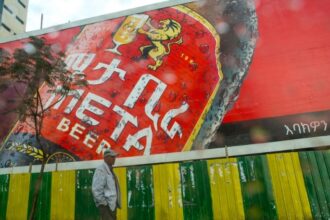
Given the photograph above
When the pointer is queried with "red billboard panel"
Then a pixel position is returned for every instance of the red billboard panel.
(154, 83)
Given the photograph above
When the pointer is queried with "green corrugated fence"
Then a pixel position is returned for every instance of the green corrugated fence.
(273, 186)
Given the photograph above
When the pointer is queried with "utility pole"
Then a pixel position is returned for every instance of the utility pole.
(41, 20)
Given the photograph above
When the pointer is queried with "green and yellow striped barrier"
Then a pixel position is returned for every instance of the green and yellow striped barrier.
(273, 186)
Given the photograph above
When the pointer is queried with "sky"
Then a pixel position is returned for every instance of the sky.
(57, 12)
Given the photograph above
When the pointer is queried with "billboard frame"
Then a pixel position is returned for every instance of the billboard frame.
(228, 151)
(242, 150)
(95, 19)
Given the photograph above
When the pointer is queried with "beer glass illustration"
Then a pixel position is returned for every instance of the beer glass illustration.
(127, 31)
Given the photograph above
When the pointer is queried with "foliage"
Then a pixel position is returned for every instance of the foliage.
(24, 71)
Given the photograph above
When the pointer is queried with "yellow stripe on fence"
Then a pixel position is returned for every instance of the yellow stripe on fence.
(167, 192)
(18, 198)
(301, 186)
(63, 195)
(121, 174)
(227, 202)
(288, 186)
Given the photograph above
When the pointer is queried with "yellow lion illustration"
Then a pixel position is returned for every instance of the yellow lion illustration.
(168, 30)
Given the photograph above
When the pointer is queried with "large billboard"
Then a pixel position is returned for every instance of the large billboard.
(161, 80)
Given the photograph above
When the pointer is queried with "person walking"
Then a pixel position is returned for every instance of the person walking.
(105, 187)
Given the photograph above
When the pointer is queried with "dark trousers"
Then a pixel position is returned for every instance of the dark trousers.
(106, 213)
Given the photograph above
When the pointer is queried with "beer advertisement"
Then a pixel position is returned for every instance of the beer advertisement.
(183, 76)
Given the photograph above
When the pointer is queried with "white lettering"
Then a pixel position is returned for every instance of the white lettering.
(296, 125)
(102, 146)
(85, 105)
(315, 124)
(76, 129)
(125, 117)
(133, 141)
(63, 125)
(76, 94)
(176, 128)
(152, 102)
(288, 130)
(79, 62)
(325, 125)
(90, 137)
(303, 128)
(110, 69)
